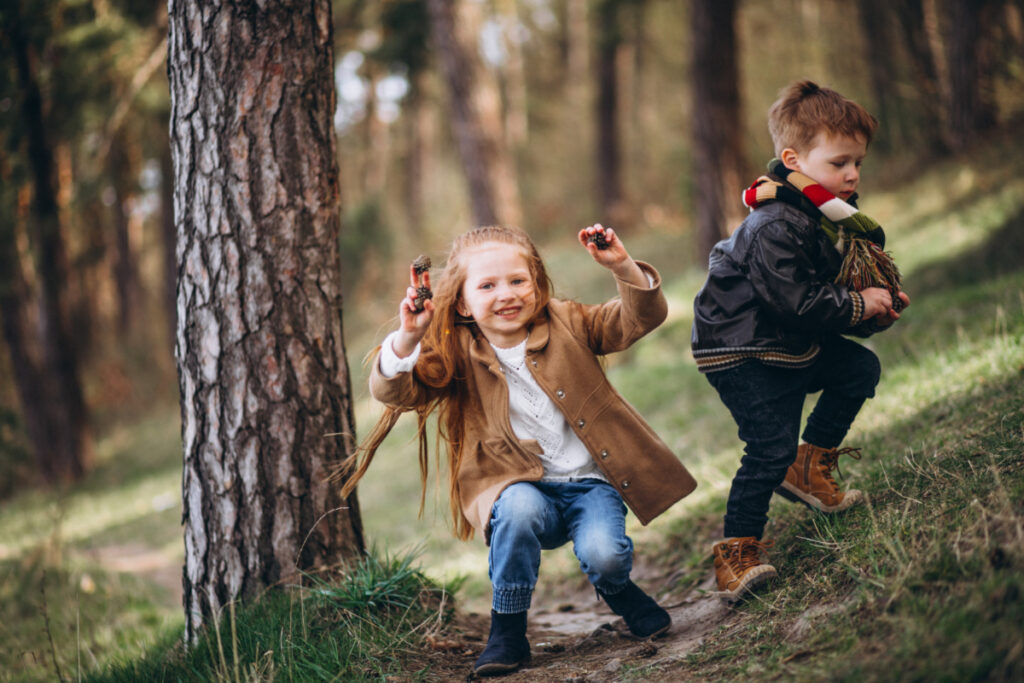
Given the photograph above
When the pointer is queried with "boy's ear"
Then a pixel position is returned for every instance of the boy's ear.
(790, 158)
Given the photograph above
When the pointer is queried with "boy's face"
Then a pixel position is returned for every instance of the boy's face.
(833, 161)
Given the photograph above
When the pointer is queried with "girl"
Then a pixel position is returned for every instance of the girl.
(541, 449)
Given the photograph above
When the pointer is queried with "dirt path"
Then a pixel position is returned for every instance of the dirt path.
(582, 640)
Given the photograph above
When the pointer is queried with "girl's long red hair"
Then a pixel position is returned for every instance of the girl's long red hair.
(441, 368)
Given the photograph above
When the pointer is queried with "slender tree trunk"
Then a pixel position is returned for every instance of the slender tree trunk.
(476, 115)
(69, 450)
(928, 106)
(969, 110)
(261, 359)
(517, 127)
(19, 340)
(609, 155)
(126, 273)
(718, 155)
(875, 21)
(416, 142)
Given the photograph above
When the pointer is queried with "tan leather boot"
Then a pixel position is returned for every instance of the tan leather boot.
(739, 566)
(809, 479)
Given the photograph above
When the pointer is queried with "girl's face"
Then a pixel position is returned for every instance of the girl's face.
(499, 292)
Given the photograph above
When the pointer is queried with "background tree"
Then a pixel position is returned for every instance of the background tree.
(608, 145)
(55, 409)
(261, 356)
(718, 159)
(476, 113)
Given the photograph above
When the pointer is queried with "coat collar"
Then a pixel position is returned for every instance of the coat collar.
(480, 350)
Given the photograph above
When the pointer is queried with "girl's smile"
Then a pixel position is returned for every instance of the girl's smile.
(499, 292)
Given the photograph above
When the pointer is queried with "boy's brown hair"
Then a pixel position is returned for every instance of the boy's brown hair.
(805, 109)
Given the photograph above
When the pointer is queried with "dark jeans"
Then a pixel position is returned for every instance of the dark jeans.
(767, 403)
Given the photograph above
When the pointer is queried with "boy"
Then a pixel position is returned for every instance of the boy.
(767, 324)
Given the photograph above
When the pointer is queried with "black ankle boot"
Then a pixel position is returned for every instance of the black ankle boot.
(507, 647)
(644, 617)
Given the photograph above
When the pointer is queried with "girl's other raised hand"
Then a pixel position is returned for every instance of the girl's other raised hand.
(603, 244)
(607, 249)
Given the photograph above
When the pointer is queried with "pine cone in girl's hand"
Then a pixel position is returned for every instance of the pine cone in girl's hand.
(420, 266)
(598, 239)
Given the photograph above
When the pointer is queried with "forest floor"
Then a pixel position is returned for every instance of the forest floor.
(574, 637)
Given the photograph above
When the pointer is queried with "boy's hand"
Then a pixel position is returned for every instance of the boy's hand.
(413, 325)
(613, 256)
(878, 304)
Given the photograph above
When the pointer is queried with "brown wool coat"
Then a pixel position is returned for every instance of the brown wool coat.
(562, 353)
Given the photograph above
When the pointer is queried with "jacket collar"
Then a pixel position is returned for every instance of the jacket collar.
(480, 350)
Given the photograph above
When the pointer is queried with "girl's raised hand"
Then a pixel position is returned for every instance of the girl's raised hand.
(607, 249)
(413, 324)
(603, 244)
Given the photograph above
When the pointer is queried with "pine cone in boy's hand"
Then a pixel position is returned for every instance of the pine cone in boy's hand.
(420, 266)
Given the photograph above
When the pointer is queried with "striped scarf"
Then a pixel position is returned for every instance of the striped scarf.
(855, 235)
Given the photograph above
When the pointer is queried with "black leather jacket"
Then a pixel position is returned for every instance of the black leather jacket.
(770, 286)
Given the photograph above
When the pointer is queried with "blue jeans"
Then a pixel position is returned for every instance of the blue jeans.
(767, 403)
(531, 516)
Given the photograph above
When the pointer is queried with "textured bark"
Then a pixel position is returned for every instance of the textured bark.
(64, 452)
(719, 166)
(476, 114)
(260, 352)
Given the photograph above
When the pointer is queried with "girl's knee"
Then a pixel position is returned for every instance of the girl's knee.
(604, 559)
(519, 506)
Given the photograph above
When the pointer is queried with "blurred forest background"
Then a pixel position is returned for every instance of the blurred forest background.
(647, 115)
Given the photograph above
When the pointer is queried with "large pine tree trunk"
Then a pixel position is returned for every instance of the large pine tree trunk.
(718, 154)
(66, 452)
(261, 358)
(476, 114)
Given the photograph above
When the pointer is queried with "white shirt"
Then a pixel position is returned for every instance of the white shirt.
(532, 413)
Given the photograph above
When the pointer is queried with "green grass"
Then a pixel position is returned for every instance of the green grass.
(361, 625)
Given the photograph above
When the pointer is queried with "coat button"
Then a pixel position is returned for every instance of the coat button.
(580, 422)
(560, 394)
(604, 454)
(625, 484)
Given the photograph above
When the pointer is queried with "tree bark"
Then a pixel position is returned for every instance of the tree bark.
(476, 116)
(66, 454)
(719, 165)
(261, 360)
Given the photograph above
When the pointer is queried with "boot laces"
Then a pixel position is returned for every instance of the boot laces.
(830, 461)
(745, 553)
